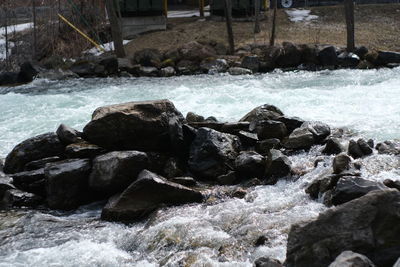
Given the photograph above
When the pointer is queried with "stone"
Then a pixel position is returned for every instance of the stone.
(239, 71)
(212, 66)
(369, 225)
(185, 181)
(267, 262)
(388, 147)
(84, 68)
(148, 57)
(167, 72)
(109, 65)
(365, 147)
(349, 188)
(341, 162)
(115, 171)
(278, 166)
(83, 150)
(172, 168)
(361, 51)
(68, 135)
(385, 58)
(263, 147)
(392, 184)
(26, 73)
(319, 130)
(57, 74)
(5, 184)
(18, 198)
(264, 112)
(291, 123)
(355, 150)
(142, 126)
(212, 153)
(328, 57)
(31, 181)
(348, 60)
(193, 117)
(300, 138)
(227, 179)
(148, 71)
(251, 62)
(333, 146)
(149, 192)
(309, 54)
(40, 163)
(267, 129)
(350, 259)
(35, 148)
(291, 56)
(247, 139)
(67, 183)
(196, 52)
(250, 164)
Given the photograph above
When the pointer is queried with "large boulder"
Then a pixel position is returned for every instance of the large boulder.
(328, 57)
(196, 52)
(300, 138)
(115, 171)
(35, 148)
(147, 193)
(212, 153)
(251, 62)
(140, 126)
(341, 162)
(250, 164)
(267, 129)
(333, 146)
(290, 56)
(278, 166)
(351, 259)
(148, 57)
(30, 181)
(26, 73)
(68, 135)
(264, 112)
(369, 225)
(67, 183)
(385, 57)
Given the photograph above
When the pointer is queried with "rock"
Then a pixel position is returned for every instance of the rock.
(333, 146)
(267, 129)
(8, 78)
(341, 163)
(84, 68)
(39, 164)
(83, 150)
(309, 54)
(212, 153)
(124, 64)
(148, 57)
(267, 262)
(110, 65)
(172, 54)
(319, 130)
(26, 73)
(385, 58)
(247, 139)
(67, 183)
(57, 74)
(35, 148)
(148, 193)
(361, 51)
(68, 135)
(5, 184)
(263, 147)
(328, 56)
(212, 66)
(351, 259)
(261, 241)
(167, 63)
(239, 71)
(278, 166)
(264, 112)
(142, 126)
(388, 147)
(365, 65)
(187, 67)
(365, 147)
(196, 52)
(349, 188)
(18, 198)
(348, 60)
(250, 164)
(251, 62)
(148, 71)
(291, 123)
(355, 150)
(368, 225)
(185, 181)
(227, 179)
(300, 138)
(31, 181)
(392, 184)
(172, 168)
(115, 171)
(291, 56)
(167, 72)
(193, 117)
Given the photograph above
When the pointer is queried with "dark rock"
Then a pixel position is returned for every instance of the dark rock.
(157, 161)
(212, 66)
(349, 188)
(351, 259)
(368, 225)
(5, 184)
(172, 54)
(238, 193)
(290, 57)
(291, 123)
(110, 65)
(365, 148)
(267, 129)
(84, 68)
(267, 262)
(8, 78)
(278, 166)
(341, 163)
(148, 57)
(211, 119)
(57, 75)
(142, 126)
(115, 171)
(67, 183)
(251, 62)
(300, 138)
(328, 56)
(385, 58)
(167, 72)
(193, 117)
(355, 150)
(361, 51)
(250, 164)
(35, 148)
(348, 60)
(264, 112)
(392, 184)
(370, 143)
(41, 163)
(213, 153)
(227, 179)
(172, 168)
(196, 52)
(239, 71)
(18, 198)
(333, 146)
(234, 127)
(247, 139)
(319, 130)
(261, 241)
(31, 181)
(148, 193)
(83, 150)
(148, 71)
(185, 181)
(309, 54)
(26, 73)
(388, 147)
(68, 135)
(263, 147)
(187, 67)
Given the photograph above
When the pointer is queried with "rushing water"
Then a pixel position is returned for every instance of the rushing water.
(221, 232)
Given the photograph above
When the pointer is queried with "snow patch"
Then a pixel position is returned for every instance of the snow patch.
(298, 15)
(11, 30)
(107, 47)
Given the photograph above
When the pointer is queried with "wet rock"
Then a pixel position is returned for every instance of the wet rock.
(355, 226)
(234, 127)
(388, 147)
(348, 60)
(361, 51)
(319, 130)
(291, 123)
(83, 150)
(212, 66)
(392, 184)
(142, 126)
(84, 68)
(300, 138)
(109, 65)
(185, 181)
(365, 147)
(355, 150)
(267, 262)
(227, 179)
(328, 57)
(250, 164)
(341, 163)
(5, 184)
(267, 129)
(278, 166)
(264, 112)
(35, 148)
(193, 117)
(385, 58)
(57, 74)
(238, 193)
(167, 72)
(247, 139)
(333, 146)
(251, 62)
(239, 71)
(309, 54)
(67, 183)
(291, 56)
(41, 163)
(31, 181)
(18, 198)
(148, 57)
(351, 259)
(349, 188)
(148, 71)
(264, 146)
(115, 171)
(148, 193)
(212, 153)
(173, 168)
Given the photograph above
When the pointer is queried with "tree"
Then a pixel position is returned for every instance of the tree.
(272, 39)
(349, 13)
(115, 28)
(257, 28)
(228, 17)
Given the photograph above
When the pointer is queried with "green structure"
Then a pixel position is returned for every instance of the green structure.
(239, 7)
(130, 8)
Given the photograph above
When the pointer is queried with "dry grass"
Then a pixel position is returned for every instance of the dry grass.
(377, 26)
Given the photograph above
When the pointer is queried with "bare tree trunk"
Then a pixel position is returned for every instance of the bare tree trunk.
(228, 17)
(273, 30)
(201, 8)
(115, 29)
(349, 13)
(34, 29)
(257, 28)
(6, 33)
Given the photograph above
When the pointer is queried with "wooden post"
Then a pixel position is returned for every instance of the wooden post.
(115, 29)
(349, 13)
(34, 28)
(257, 28)
(201, 8)
(273, 30)
(228, 17)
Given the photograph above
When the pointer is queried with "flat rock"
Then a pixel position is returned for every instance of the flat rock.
(30, 181)
(351, 259)
(83, 150)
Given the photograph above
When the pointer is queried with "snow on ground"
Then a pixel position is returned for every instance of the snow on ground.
(297, 15)
(107, 46)
(188, 13)
(10, 29)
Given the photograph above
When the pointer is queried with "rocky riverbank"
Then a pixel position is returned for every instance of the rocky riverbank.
(142, 156)
(210, 58)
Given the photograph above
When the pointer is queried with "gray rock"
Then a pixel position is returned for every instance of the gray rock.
(31, 181)
(300, 138)
(196, 52)
(278, 166)
(57, 74)
(267, 129)
(251, 62)
(227, 179)
(355, 150)
(148, 71)
(67, 183)
(333, 146)
(392, 184)
(385, 58)
(267, 262)
(341, 163)
(264, 112)
(115, 171)
(319, 130)
(145, 195)
(68, 135)
(148, 57)
(351, 259)
(18, 198)
(41, 163)
(291, 56)
(239, 71)
(250, 164)
(185, 181)
(247, 139)
(83, 150)
(193, 117)
(263, 147)
(291, 123)
(368, 225)
(167, 72)
(35, 148)
(214, 66)
(388, 147)
(365, 147)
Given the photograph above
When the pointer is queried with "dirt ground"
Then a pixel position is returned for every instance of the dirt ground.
(376, 26)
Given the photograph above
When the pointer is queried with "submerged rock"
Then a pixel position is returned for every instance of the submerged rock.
(351, 259)
(148, 193)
